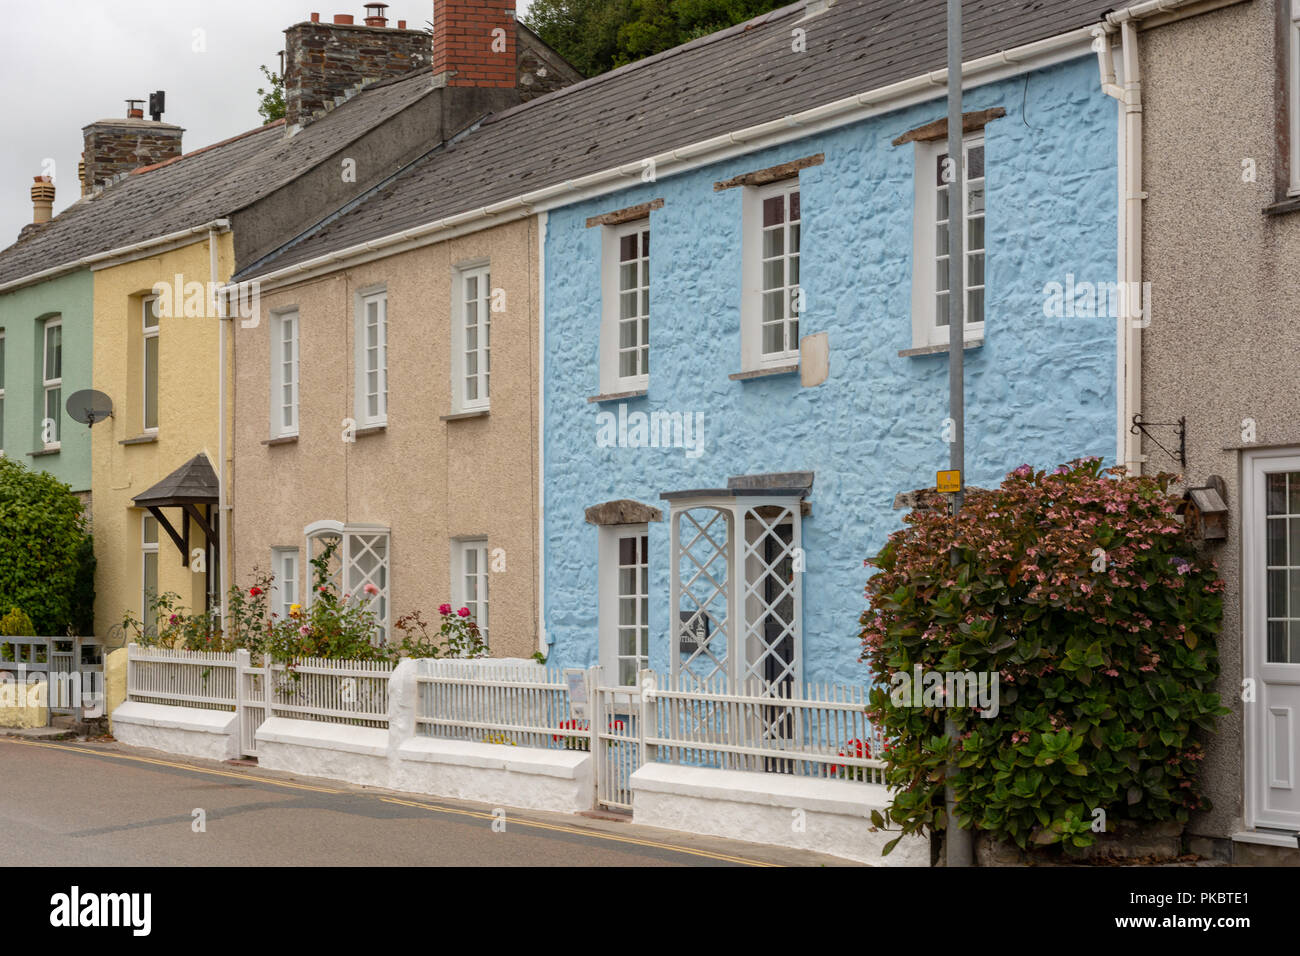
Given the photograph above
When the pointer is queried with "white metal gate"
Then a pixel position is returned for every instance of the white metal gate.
(616, 743)
(254, 697)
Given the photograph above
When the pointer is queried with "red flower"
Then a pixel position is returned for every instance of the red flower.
(463, 612)
(444, 609)
(254, 591)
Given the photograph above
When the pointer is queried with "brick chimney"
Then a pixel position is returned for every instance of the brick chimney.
(324, 62)
(42, 200)
(116, 146)
(474, 43)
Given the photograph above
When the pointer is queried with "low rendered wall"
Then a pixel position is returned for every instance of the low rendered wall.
(24, 705)
(213, 734)
(315, 749)
(525, 777)
(825, 816)
(114, 682)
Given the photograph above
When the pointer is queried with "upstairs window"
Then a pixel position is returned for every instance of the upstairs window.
(149, 325)
(472, 339)
(931, 267)
(772, 300)
(284, 374)
(52, 383)
(625, 313)
(371, 403)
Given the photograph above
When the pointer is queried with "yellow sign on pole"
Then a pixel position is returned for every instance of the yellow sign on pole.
(948, 482)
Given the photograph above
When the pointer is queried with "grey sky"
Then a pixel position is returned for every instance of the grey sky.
(66, 63)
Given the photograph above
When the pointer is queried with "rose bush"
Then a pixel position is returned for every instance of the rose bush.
(1082, 592)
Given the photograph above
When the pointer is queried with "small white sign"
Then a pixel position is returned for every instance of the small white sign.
(577, 680)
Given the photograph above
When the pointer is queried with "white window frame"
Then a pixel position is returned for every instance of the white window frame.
(481, 272)
(356, 540)
(461, 571)
(288, 579)
(612, 292)
(609, 588)
(284, 373)
(2, 392)
(925, 251)
(51, 383)
(149, 332)
(1293, 95)
(147, 549)
(752, 357)
(371, 360)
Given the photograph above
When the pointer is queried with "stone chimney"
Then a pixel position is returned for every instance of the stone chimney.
(324, 62)
(474, 43)
(116, 146)
(42, 200)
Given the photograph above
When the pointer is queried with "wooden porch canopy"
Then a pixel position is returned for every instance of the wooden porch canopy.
(190, 486)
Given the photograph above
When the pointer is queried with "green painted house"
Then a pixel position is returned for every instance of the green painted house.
(45, 356)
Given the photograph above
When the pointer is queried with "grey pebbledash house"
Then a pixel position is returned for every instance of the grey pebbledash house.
(1216, 363)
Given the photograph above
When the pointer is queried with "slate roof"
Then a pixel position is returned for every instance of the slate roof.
(738, 77)
(194, 482)
(206, 184)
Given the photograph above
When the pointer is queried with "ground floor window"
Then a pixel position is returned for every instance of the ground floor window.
(149, 573)
(469, 581)
(355, 561)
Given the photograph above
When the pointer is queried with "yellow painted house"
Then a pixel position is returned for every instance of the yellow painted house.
(155, 508)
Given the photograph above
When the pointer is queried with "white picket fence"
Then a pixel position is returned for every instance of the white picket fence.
(201, 679)
(821, 733)
(341, 692)
(523, 704)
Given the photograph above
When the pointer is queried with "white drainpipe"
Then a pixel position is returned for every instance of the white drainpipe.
(541, 435)
(223, 512)
(1130, 323)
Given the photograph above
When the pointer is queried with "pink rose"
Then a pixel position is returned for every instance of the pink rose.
(463, 612)
(444, 609)
(371, 589)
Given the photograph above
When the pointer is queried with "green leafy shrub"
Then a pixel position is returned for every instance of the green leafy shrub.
(1083, 593)
(16, 624)
(42, 541)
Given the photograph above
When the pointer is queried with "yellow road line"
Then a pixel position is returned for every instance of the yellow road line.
(596, 834)
(168, 763)
(477, 814)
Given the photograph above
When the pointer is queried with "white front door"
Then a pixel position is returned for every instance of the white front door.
(1271, 614)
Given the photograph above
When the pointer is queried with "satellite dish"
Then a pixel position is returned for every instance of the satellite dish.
(89, 406)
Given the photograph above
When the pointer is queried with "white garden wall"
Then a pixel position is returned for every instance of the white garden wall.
(825, 816)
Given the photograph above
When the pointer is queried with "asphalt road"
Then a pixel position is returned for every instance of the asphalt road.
(103, 804)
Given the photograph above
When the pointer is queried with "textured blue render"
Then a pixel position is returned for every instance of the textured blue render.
(1040, 390)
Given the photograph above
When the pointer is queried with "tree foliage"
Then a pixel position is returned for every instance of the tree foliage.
(272, 106)
(43, 551)
(1081, 593)
(598, 35)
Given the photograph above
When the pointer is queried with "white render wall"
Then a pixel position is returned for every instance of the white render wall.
(213, 734)
(824, 816)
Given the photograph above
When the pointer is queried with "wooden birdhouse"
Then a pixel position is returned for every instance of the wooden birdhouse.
(1205, 510)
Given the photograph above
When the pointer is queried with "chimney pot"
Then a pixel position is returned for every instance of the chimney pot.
(375, 16)
(315, 18)
(343, 19)
(42, 199)
(401, 24)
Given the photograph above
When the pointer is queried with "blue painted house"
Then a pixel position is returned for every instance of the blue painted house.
(745, 346)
